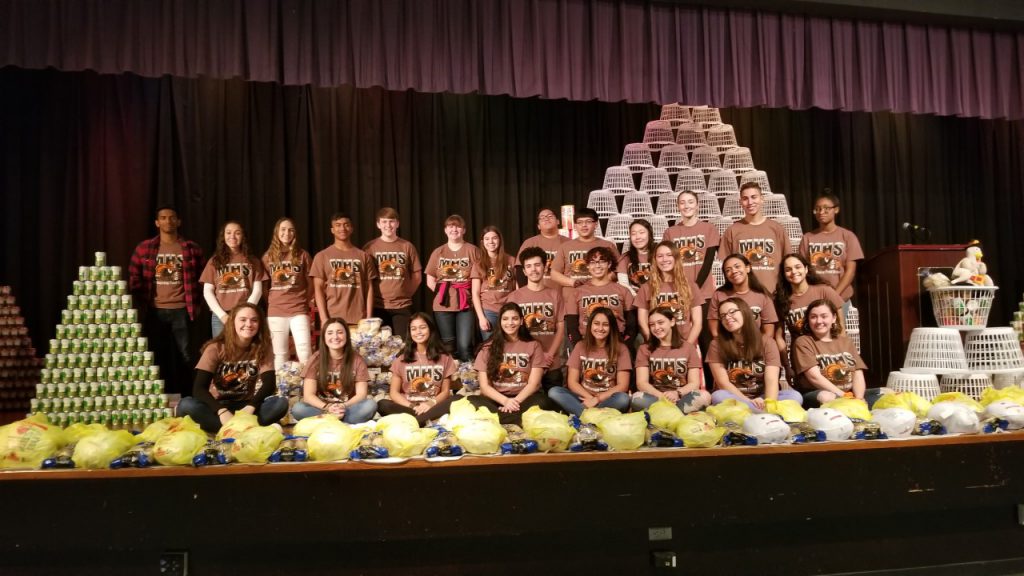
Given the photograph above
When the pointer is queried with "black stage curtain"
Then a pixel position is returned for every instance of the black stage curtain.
(86, 158)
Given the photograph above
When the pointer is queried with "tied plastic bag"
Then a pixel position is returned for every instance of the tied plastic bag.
(77, 431)
(26, 443)
(444, 445)
(462, 410)
(307, 426)
(598, 415)
(1011, 412)
(767, 428)
(624, 432)
(960, 398)
(664, 415)
(1011, 393)
(401, 419)
(698, 432)
(906, 400)
(480, 435)
(370, 447)
(98, 450)
(895, 422)
(729, 411)
(956, 417)
(333, 441)
(790, 410)
(255, 445)
(588, 439)
(850, 407)
(405, 441)
(154, 431)
(239, 422)
(550, 429)
(178, 448)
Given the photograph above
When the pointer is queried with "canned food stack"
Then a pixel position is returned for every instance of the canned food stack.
(1018, 321)
(99, 367)
(19, 366)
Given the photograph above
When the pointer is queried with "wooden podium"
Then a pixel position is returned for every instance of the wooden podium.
(890, 303)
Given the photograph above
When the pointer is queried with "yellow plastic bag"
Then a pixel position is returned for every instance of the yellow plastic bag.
(179, 447)
(1011, 393)
(154, 431)
(254, 445)
(401, 419)
(907, 400)
(960, 398)
(850, 407)
(239, 422)
(77, 431)
(788, 410)
(26, 443)
(332, 441)
(664, 415)
(702, 416)
(698, 432)
(97, 450)
(550, 429)
(597, 415)
(624, 432)
(479, 435)
(307, 426)
(405, 441)
(729, 411)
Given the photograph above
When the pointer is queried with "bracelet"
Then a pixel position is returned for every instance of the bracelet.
(221, 411)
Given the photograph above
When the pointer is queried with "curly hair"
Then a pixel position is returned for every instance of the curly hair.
(278, 252)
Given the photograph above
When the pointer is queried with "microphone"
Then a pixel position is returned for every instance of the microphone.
(914, 227)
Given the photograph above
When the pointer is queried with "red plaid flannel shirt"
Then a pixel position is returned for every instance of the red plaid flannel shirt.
(142, 272)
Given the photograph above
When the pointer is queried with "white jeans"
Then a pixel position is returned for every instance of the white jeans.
(280, 326)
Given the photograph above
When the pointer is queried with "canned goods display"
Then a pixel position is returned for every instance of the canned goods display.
(88, 288)
(101, 258)
(126, 303)
(72, 302)
(158, 386)
(66, 317)
(121, 287)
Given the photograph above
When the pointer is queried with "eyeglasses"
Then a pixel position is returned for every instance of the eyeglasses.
(597, 262)
(822, 209)
(732, 312)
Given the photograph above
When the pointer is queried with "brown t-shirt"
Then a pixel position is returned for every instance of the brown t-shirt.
(454, 268)
(332, 390)
(422, 379)
(763, 244)
(638, 275)
(347, 274)
(837, 360)
(570, 258)
(693, 243)
(798, 306)
(550, 246)
(829, 254)
(596, 373)
(289, 285)
(589, 298)
(748, 377)
(170, 288)
(493, 290)
(668, 366)
(233, 281)
(396, 263)
(514, 371)
(669, 296)
(542, 311)
(762, 306)
(237, 381)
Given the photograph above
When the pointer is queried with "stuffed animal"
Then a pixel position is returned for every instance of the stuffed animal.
(971, 270)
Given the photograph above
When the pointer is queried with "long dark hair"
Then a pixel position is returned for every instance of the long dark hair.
(348, 384)
(633, 253)
(434, 346)
(677, 340)
(752, 280)
(496, 343)
(611, 343)
(222, 255)
(752, 347)
(257, 350)
(784, 290)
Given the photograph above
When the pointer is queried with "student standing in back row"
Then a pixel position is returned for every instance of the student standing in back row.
(833, 251)
(342, 277)
(761, 241)
(399, 272)
(549, 240)
(289, 294)
(448, 275)
(233, 275)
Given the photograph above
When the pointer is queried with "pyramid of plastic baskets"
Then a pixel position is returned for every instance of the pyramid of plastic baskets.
(675, 113)
(775, 206)
(722, 183)
(936, 351)
(970, 384)
(655, 181)
(760, 177)
(658, 134)
(619, 180)
(924, 385)
(962, 307)
(690, 136)
(791, 224)
(732, 207)
(637, 205)
(993, 351)
(706, 159)
(637, 157)
(658, 225)
(707, 206)
(722, 137)
(705, 116)
(603, 202)
(691, 179)
(674, 158)
(668, 205)
(738, 160)
(617, 229)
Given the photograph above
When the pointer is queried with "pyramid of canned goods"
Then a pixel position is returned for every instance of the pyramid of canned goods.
(99, 368)
(19, 367)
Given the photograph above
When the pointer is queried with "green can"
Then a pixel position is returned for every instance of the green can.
(129, 344)
(121, 287)
(61, 333)
(108, 402)
(120, 316)
(88, 288)
(103, 417)
(83, 272)
(119, 345)
(81, 330)
(94, 389)
(46, 405)
(72, 302)
(76, 404)
(142, 343)
(88, 403)
(62, 390)
(88, 316)
(126, 303)
(77, 288)
(50, 360)
(133, 402)
(158, 386)
(104, 389)
(77, 375)
(66, 317)
(116, 388)
(66, 374)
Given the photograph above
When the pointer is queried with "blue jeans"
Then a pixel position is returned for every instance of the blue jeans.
(787, 394)
(457, 329)
(492, 319)
(216, 326)
(355, 414)
(569, 402)
(271, 410)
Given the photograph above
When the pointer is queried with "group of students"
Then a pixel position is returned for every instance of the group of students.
(631, 321)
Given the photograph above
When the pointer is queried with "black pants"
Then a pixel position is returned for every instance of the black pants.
(386, 407)
(168, 332)
(538, 398)
(397, 318)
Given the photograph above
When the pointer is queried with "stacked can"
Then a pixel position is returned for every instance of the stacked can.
(19, 366)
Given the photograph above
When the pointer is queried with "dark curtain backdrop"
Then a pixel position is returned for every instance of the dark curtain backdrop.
(85, 158)
(609, 50)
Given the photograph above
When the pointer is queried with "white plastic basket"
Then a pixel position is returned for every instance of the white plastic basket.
(758, 176)
(668, 205)
(618, 228)
(707, 207)
(691, 179)
(722, 183)
(619, 180)
(970, 384)
(993, 350)
(690, 135)
(655, 181)
(721, 137)
(705, 159)
(935, 351)
(1007, 379)
(924, 385)
(705, 116)
(962, 307)
(658, 134)
(637, 205)
(675, 113)
(738, 160)
(637, 157)
(674, 158)
(603, 202)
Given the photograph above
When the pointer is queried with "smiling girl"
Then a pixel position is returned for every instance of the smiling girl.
(421, 375)
(599, 368)
(493, 280)
(335, 381)
(290, 292)
(826, 360)
(741, 283)
(668, 366)
(231, 276)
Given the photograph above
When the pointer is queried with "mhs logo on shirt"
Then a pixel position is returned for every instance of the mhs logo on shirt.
(677, 365)
(519, 360)
(390, 265)
(233, 277)
(168, 268)
(691, 249)
(826, 256)
(284, 274)
(610, 300)
(539, 317)
(453, 268)
(345, 273)
(838, 368)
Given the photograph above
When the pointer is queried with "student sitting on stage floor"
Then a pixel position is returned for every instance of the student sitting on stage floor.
(335, 380)
(826, 360)
(599, 368)
(239, 363)
(510, 366)
(745, 363)
(741, 283)
(798, 286)
(668, 366)
(421, 375)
